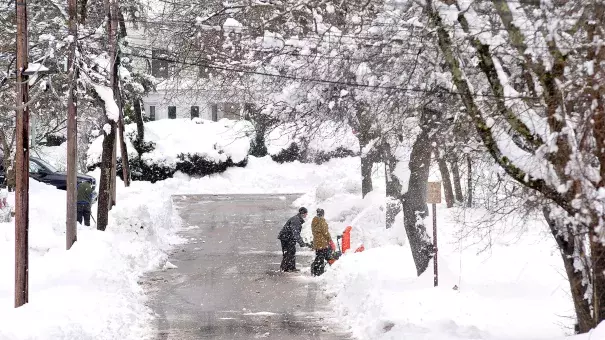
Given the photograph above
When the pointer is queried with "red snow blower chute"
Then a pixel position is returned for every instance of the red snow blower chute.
(346, 245)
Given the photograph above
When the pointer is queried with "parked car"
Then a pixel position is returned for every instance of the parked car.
(43, 172)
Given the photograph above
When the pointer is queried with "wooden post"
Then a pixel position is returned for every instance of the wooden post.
(71, 231)
(435, 270)
(22, 161)
(433, 197)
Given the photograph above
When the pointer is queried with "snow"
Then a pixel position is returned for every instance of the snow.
(34, 67)
(216, 141)
(111, 108)
(514, 290)
(326, 137)
(232, 25)
(92, 291)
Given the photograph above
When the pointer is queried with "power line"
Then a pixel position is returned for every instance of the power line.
(317, 80)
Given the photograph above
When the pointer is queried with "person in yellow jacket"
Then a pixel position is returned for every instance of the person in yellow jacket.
(321, 243)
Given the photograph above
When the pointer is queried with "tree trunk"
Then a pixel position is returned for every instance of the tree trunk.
(415, 209)
(393, 186)
(469, 181)
(138, 117)
(572, 251)
(456, 178)
(114, 162)
(365, 137)
(123, 147)
(597, 254)
(366, 174)
(105, 181)
(446, 179)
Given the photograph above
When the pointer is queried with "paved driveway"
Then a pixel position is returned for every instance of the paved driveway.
(227, 285)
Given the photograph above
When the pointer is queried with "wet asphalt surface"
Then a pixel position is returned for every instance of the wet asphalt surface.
(227, 285)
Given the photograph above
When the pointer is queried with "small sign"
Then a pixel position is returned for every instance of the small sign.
(433, 193)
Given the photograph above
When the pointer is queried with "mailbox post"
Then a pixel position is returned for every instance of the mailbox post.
(433, 197)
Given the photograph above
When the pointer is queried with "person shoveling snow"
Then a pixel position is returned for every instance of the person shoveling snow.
(86, 197)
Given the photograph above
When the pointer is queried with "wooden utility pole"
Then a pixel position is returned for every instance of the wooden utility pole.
(72, 129)
(22, 161)
(433, 197)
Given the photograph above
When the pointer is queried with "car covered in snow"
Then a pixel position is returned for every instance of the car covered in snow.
(43, 172)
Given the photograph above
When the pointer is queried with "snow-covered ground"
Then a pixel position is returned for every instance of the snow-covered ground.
(515, 289)
(91, 291)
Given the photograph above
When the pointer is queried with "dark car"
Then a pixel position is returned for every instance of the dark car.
(46, 173)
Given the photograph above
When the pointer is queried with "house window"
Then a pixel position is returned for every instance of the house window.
(151, 112)
(172, 112)
(159, 64)
(214, 109)
(195, 112)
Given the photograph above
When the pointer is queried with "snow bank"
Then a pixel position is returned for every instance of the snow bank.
(91, 291)
(215, 141)
(515, 290)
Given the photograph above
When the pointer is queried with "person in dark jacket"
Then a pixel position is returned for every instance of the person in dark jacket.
(85, 198)
(289, 236)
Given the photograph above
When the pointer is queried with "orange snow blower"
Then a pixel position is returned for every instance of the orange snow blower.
(346, 245)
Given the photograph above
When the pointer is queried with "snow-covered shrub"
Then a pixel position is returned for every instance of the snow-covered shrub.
(193, 147)
(290, 154)
(311, 144)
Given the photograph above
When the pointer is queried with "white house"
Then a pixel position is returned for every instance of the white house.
(185, 92)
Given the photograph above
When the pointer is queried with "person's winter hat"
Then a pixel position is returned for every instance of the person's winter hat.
(303, 211)
(320, 212)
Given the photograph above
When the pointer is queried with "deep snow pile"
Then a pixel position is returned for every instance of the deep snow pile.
(215, 141)
(514, 290)
(92, 291)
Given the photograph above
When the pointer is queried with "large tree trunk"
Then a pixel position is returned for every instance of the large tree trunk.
(415, 209)
(393, 186)
(445, 178)
(572, 252)
(457, 180)
(106, 172)
(365, 136)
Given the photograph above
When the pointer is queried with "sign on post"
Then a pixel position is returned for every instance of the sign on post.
(433, 197)
(433, 193)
